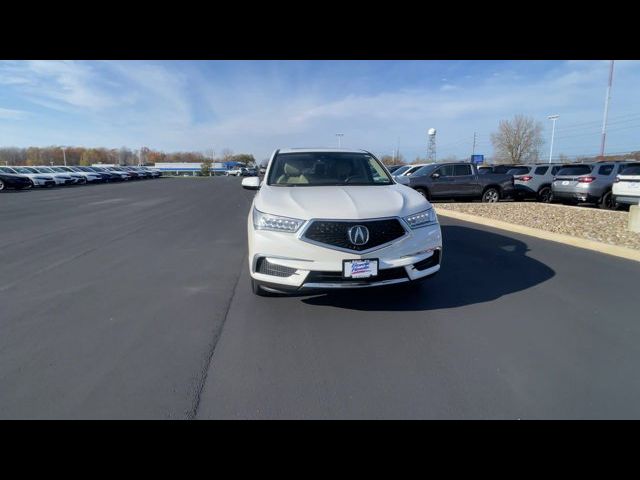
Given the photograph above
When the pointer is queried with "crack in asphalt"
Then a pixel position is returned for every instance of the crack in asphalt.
(191, 414)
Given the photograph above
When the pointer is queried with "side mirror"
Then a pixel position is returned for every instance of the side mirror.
(251, 183)
(435, 175)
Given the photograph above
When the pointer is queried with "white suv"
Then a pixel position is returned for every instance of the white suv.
(626, 188)
(333, 219)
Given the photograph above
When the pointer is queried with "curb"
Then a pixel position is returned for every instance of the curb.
(623, 252)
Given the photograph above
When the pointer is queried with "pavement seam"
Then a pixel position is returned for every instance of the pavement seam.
(216, 337)
(600, 247)
(191, 415)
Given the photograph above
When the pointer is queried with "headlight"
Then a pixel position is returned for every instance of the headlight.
(264, 221)
(421, 219)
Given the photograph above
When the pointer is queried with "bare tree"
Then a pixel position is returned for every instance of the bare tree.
(392, 160)
(226, 154)
(518, 140)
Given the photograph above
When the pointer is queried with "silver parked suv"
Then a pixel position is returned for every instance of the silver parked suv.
(588, 182)
(534, 181)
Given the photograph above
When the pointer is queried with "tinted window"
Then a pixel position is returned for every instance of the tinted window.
(577, 170)
(519, 171)
(460, 170)
(422, 171)
(445, 171)
(5, 170)
(632, 170)
(624, 167)
(605, 169)
(502, 168)
(541, 170)
(484, 170)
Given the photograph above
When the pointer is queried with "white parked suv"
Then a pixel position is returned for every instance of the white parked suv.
(626, 188)
(334, 219)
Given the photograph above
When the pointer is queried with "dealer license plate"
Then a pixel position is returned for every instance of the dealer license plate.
(359, 268)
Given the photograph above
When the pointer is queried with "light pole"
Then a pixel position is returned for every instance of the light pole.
(339, 135)
(553, 118)
(64, 155)
(606, 110)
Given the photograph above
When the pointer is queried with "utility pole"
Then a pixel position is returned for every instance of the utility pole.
(339, 135)
(606, 109)
(64, 155)
(473, 150)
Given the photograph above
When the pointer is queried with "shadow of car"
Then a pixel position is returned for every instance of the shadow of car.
(477, 266)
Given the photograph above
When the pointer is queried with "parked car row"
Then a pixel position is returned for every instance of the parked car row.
(608, 184)
(242, 172)
(24, 177)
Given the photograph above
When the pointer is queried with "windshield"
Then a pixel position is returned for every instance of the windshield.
(6, 170)
(413, 170)
(327, 168)
(43, 170)
(423, 170)
(401, 170)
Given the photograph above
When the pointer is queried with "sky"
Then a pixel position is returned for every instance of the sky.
(258, 106)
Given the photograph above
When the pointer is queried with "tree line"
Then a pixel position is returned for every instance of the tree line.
(123, 156)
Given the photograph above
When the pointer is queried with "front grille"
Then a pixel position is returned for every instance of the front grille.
(266, 268)
(432, 261)
(336, 277)
(334, 233)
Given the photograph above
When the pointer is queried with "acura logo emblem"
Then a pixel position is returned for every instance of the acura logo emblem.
(358, 235)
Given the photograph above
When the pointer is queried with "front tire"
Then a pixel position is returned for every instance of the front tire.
(490, 195)
(2, 185)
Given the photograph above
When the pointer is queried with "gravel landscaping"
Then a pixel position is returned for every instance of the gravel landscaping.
(590, 223)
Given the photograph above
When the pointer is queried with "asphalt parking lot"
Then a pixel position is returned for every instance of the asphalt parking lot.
(133, 301)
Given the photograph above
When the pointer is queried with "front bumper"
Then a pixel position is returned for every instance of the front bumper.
(414, 256)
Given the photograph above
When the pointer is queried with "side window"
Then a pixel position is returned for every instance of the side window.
(445, 171)
(461, 170)
(623, 167)
(541, 170)
(605, 170)
(554, 170)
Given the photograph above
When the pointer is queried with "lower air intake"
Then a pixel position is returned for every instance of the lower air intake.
(266, 268)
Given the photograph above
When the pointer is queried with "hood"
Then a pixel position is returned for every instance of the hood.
(351, 202)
